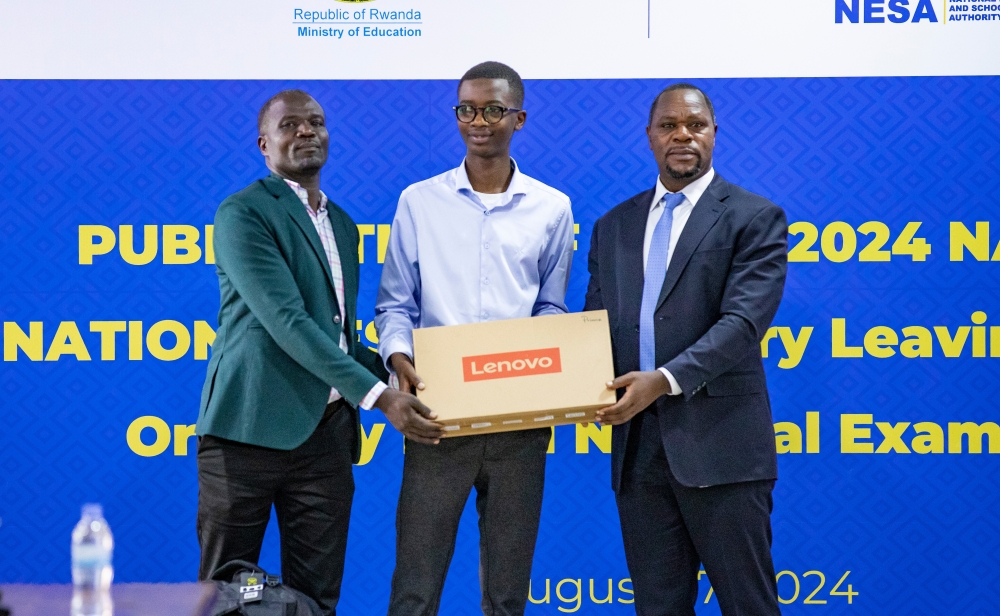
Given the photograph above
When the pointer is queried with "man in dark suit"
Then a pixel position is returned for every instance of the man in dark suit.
(279, 423)
(691, 274)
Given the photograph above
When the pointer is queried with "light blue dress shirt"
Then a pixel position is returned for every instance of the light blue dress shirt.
(452, 259)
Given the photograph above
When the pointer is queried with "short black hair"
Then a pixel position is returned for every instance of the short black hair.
(681, 86)
(262, 114)
(497, 70)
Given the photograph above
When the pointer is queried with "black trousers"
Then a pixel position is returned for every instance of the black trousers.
(670, 529)
(508, 472)
(311, 488)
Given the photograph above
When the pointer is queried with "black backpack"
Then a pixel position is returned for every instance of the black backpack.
(248, 590)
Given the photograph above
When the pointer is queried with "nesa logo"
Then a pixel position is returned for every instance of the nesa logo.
(879, 11)
(507, 365)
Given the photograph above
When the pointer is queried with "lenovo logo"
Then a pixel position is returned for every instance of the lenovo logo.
(506, 365)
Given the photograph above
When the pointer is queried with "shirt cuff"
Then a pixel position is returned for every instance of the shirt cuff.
(369, 400)
(548, 309)
(675, 388)
(395, 345)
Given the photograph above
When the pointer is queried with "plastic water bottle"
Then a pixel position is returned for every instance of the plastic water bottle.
(93, 547)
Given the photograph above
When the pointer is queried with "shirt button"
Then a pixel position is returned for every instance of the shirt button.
(336, 319)
(486, 245)
(486, 281)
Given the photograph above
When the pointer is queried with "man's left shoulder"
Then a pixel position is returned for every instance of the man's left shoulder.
(546, 194)
(746, 201)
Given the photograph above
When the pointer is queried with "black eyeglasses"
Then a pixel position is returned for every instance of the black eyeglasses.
(491, 113)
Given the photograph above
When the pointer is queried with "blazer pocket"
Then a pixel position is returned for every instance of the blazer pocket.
(736, 385)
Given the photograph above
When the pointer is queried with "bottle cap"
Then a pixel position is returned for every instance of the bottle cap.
(93, 510)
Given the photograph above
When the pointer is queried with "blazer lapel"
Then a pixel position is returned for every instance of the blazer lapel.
(703, 217)
(344, 247)
(630, 241)
(287, 198)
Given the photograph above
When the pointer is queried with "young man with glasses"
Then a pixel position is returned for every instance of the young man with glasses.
(482, 242)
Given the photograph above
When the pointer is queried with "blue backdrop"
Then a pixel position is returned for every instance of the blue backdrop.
(917, 532)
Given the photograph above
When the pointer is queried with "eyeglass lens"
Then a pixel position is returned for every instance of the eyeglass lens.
(492, 114)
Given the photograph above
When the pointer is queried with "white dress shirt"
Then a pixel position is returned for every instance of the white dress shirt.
(692, 192)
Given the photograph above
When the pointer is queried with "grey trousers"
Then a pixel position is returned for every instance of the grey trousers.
(508, 472)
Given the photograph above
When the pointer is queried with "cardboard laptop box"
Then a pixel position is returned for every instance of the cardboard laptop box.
(516, 374)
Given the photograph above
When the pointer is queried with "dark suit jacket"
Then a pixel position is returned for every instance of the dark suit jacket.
(276, 353)
(722, 288)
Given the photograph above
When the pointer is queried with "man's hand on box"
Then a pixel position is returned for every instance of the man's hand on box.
(641, 390)
(409, 381)
(410, 416)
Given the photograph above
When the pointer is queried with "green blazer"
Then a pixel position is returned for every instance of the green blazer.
(276, 353)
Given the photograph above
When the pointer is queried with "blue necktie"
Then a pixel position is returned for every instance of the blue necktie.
(656, 272)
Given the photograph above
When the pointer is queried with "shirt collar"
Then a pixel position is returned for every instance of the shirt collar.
(692, 192)
(517, 184)
(303, 196)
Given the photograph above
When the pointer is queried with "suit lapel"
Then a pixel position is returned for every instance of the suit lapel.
(344, 248)
(703, 217)
(287, 199)
(630, 241)
(630, 274)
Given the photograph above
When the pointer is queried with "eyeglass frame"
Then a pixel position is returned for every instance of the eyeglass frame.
(482, 111)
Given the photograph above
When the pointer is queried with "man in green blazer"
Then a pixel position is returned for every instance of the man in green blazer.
(279, 421)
